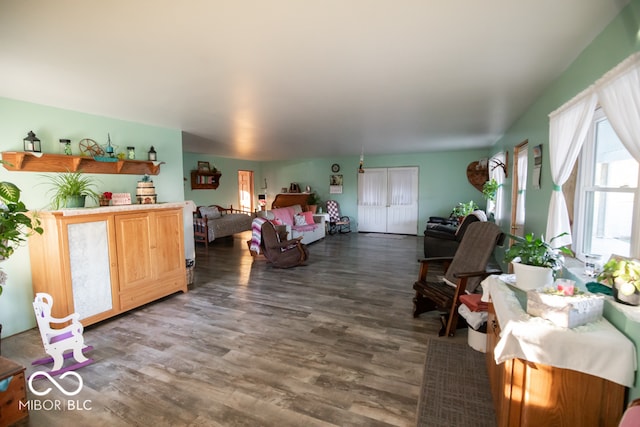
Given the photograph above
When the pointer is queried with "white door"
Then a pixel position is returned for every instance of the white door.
(388, 200)
(372, 200)
(402, 200)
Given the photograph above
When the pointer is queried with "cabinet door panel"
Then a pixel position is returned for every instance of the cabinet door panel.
(134, 251)
(90, 267)
(169, 243)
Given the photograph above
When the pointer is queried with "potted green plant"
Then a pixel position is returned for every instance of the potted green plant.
(15, 225)
(535, 261)
(70, 189)
(313, 201)
(463, 209)
(623, 275)
(490, 189)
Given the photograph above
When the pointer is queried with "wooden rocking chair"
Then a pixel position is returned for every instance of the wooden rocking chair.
(463, 272)
(59, 344)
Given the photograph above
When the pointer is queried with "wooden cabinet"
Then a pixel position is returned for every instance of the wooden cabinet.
(103, 261)
(530, 394)
(13, 399)
(205, 180)
(151, 262)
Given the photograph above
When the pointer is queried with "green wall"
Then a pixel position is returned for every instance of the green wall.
(442, 179)
(609, 48)
(617, 41)
(50, 124)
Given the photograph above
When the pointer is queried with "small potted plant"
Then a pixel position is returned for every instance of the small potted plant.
(105, 198)
(463, 209)
(70, 189)
(313, 201)
(623, 275)
(535, 261)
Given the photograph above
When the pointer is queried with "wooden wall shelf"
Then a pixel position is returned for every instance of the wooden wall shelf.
(36, 162)
(205, 180)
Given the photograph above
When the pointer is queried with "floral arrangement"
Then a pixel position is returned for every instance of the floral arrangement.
(105, 198)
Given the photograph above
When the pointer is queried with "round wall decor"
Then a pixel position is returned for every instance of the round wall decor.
(335, 168)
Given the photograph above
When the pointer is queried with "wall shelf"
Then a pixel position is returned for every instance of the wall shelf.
(41, 162)
(205, 180)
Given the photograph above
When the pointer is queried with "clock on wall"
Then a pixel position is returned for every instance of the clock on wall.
(335, 168)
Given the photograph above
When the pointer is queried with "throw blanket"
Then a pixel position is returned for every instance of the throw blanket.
(256, 234)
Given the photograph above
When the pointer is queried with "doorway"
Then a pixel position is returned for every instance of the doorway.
(388, 200)
(245, 190)
(519, 188)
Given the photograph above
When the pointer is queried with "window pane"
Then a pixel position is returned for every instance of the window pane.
(615, 167)
(608, 229)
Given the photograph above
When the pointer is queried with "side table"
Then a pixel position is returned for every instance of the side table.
(12, 392)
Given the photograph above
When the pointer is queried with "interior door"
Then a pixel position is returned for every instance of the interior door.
(372, 200)
(519, 188)
(402, 200)
(388, 200)
(245, 190)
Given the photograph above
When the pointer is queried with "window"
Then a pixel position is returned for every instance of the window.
(607, 194)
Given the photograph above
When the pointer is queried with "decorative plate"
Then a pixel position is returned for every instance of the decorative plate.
(335, 168)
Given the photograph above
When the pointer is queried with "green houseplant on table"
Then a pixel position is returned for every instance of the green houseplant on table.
(623, 275)
(70, 189)
(535, 261)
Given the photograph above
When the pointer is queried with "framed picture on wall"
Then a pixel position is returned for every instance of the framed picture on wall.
(204, 167)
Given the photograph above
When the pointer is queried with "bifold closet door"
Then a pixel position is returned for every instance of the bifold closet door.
(388, 200)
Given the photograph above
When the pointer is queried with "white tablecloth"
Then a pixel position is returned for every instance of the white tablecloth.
(596, 348)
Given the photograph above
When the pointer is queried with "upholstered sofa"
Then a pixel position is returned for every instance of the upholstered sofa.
(312, 230)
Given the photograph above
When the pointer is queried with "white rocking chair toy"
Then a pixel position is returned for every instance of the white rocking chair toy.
(57, 342)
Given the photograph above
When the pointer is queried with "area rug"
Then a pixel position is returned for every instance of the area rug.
(455, 387)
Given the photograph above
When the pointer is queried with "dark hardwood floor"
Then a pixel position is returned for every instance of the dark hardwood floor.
(332, 343)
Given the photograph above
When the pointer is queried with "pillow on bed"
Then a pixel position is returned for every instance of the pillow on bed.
(300, 219)
(211, 212)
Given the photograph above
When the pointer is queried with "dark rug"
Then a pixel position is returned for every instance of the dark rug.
(455, 387)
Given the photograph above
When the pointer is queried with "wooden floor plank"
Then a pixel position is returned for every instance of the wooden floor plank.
(333, 343)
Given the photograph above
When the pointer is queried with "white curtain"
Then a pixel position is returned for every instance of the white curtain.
(568, 128)
(619, 95)
(497, 173)
(372, 188)
(401, 185)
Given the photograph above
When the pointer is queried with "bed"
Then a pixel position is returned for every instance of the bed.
(213, 222)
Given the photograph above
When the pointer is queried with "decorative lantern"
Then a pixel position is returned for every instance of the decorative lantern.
(153, 155)
(32, 143)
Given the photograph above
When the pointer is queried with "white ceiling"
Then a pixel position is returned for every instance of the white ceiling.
(278, 79)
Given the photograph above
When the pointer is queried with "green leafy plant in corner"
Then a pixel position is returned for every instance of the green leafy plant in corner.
(464, 209)
(15, 224)
(622, 271)
(313, 199)
(531, 250)
(490, 189)
(70, 184)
